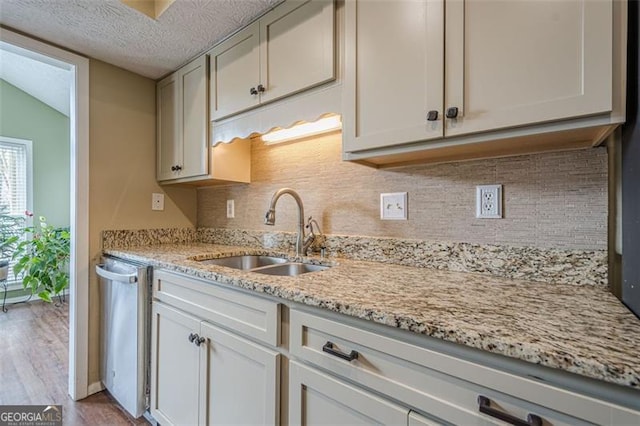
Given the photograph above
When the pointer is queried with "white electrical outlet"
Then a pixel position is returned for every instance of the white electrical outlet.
(231, 210)
(489, 201)
(157, 201)
(393, 206)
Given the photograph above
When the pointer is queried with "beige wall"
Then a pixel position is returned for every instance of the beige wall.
(551, 200)
(122, 171)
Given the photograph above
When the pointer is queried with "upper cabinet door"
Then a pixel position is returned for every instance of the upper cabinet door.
(297, 49)
(169, 145)
(193, 79)
(235, 73)
(514, 63)
(394, 72)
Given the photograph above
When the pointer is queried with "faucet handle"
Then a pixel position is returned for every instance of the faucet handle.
(310, 224)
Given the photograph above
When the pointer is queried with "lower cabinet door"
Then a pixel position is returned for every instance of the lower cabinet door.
(316, 398)
(416, 419)
(240, 380)
(175, 366)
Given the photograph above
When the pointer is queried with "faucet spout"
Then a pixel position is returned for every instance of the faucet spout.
(270, 216)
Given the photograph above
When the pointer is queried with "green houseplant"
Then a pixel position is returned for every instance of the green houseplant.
(43, 259)
(10, 230)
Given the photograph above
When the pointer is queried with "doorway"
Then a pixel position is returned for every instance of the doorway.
(78, 66)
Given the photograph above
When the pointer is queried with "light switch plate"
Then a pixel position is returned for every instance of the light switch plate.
(393, 206)
(489, 201)
(157, 201)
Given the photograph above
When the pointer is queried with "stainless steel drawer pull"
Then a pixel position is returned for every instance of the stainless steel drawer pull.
(484, 405)
(328, 348)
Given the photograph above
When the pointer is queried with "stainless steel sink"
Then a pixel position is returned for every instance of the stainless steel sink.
(269, 265)
(246, 262)
(290, 269)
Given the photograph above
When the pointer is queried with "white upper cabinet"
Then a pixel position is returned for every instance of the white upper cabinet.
(235, 73)
(169, 144)
(394, 72)
(290, 49)
(513, 63)
(183, 152)
(470, 71)
(182, 122)
(297, 47)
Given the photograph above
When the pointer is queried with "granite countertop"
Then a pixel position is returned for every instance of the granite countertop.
(580, 329)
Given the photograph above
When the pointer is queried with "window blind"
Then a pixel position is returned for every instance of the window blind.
(13, 175)
(15, 162)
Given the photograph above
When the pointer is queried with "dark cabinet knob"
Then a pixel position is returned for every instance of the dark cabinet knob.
(178, 168)
(432, 115)
(261, 88)
(175, 168)
(253, 91)
(452, 112)
(195, 339)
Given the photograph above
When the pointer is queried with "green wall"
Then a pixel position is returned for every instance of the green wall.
(24, 117)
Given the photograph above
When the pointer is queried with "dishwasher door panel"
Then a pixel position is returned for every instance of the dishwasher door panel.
(124, 340)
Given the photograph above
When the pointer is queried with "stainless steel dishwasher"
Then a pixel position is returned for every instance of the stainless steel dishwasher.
(125, 290)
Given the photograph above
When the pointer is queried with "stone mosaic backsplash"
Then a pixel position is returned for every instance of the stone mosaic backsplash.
(553, 266)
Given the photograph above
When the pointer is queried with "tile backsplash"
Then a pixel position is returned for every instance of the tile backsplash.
(551, 200)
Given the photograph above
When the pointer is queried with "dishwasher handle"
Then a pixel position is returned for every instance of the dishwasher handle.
(114, 276)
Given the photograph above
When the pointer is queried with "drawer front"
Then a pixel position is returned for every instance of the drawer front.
(318, 399)
(252, 316)
(437, 384)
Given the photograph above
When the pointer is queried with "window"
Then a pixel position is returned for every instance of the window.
(15, 180)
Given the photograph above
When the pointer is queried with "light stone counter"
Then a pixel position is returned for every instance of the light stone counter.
(580, 329)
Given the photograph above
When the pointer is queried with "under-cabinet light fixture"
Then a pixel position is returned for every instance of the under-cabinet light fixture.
(303, 130)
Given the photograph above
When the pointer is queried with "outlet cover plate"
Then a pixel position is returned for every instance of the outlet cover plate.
(393, 206)
(489, 201)
(231, 209)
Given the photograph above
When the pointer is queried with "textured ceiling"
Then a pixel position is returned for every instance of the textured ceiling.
(112, 32)
(47, 82)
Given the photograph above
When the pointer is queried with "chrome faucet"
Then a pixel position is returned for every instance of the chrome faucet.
(302, 245)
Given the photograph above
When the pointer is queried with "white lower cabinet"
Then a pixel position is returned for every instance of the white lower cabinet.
(444, 387)
(241, 381)
(318, 399)
(226, 357)
(175, 367)
(202, 374)
(416, 419)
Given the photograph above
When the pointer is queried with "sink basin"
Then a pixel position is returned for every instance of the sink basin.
(245, 263)
(269, 265)
(290, 269)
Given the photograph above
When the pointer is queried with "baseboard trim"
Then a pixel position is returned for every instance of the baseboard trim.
(95, 387)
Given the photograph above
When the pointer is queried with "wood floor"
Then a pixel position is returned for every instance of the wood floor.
(34, 353)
